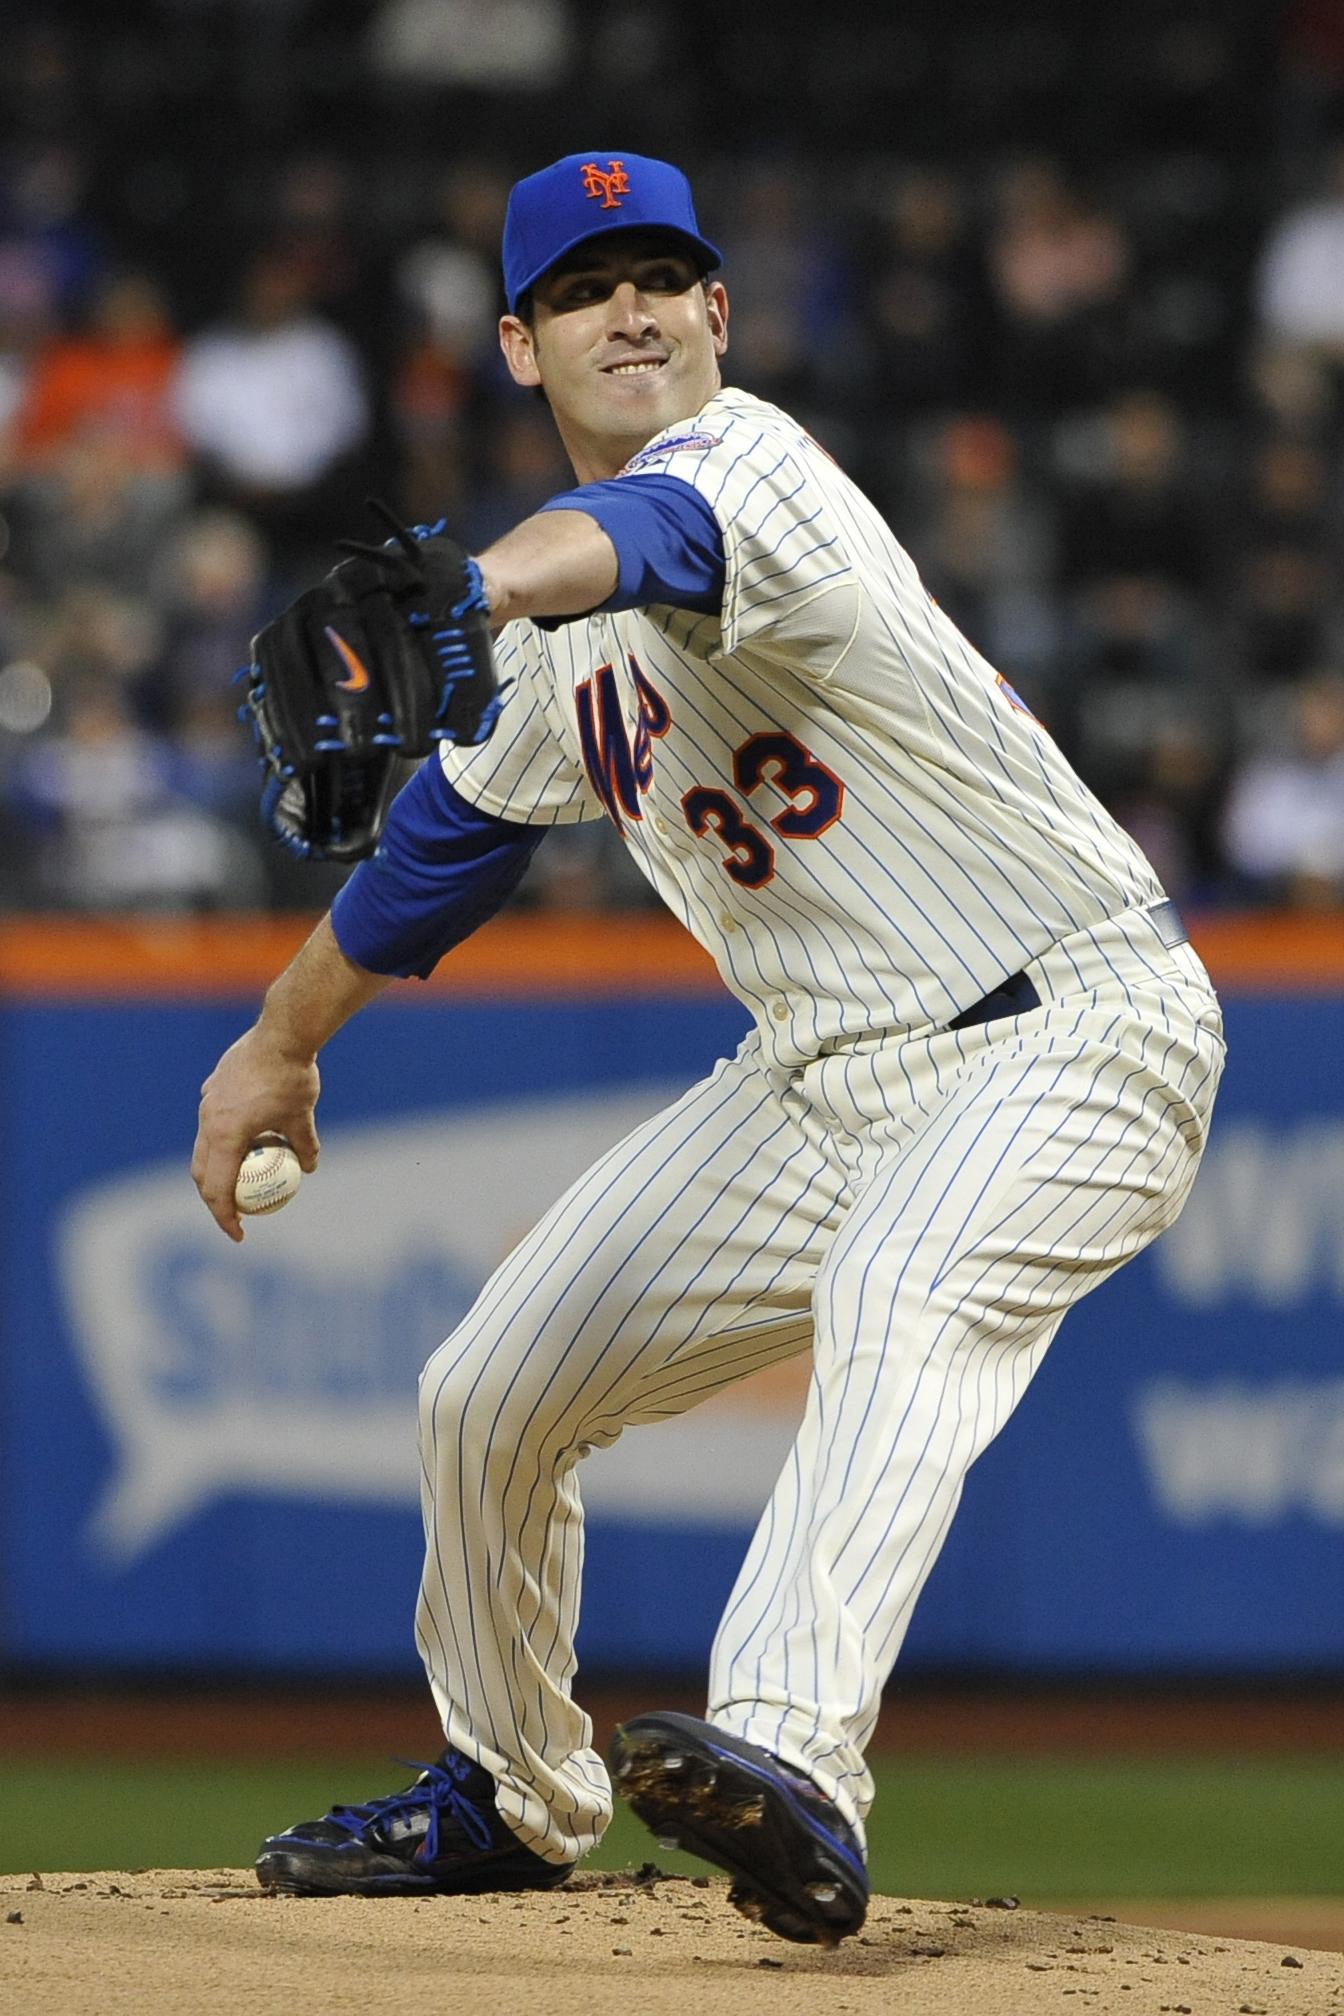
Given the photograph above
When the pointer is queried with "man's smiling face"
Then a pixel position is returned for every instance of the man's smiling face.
(624, 340)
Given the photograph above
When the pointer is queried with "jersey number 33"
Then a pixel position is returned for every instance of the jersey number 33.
(621, 772)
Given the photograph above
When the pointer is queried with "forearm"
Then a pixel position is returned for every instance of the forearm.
(558, 563)
(316, 994)
(443, 867)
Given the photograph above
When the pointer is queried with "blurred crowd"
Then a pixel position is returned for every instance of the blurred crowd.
(1091, 368)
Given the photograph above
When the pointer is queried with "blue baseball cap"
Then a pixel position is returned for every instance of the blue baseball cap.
(584, 195)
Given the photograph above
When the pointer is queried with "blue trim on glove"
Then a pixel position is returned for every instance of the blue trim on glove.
(442, 868)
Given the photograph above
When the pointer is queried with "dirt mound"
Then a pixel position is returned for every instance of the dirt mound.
(183, 1942)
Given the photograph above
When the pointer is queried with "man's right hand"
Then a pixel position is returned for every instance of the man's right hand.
(256, 1088)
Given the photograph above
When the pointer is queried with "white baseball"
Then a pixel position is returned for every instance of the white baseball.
(268, 1178)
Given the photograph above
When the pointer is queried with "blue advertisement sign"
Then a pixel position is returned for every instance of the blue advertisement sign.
(209, 1453)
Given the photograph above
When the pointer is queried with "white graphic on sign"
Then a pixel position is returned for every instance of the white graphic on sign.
(1252, 1453)
(288, 1367)
(1265, 1220)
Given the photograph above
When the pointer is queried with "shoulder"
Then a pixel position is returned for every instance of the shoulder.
(732, 427)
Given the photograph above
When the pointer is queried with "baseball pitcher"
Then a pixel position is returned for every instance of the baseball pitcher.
(979, 1076)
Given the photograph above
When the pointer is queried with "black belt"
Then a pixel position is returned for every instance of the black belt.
(1017, 995)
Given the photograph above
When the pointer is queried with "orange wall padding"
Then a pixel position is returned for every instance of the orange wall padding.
(571, 954)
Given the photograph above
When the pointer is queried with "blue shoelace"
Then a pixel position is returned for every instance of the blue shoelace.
(435, 1793)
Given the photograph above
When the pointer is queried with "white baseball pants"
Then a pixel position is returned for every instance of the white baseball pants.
(919, 1211)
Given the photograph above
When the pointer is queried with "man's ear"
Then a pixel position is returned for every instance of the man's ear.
(716, 312)
(518, 343)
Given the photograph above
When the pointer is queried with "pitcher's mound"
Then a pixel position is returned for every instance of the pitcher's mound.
(185, 1942)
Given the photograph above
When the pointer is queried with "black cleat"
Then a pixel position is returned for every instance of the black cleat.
(441, 1834)
(797, 1867)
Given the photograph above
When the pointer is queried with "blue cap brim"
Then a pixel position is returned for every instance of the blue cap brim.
(708, 256)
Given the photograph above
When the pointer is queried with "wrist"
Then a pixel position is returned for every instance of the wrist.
(279, 1032)
(496, 597)
(318, 991)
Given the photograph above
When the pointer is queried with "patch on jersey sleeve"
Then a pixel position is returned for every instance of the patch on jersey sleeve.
(672, 447)
(1014, 698)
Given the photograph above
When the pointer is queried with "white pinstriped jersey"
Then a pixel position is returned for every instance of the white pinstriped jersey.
(832, 789)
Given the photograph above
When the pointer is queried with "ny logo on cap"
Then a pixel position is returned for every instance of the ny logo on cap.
(610, 187)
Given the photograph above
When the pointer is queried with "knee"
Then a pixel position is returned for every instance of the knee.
(478, 1399)
(460, 1379)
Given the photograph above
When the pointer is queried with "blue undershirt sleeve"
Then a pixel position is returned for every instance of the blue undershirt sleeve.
(669, 544)
(442, 867)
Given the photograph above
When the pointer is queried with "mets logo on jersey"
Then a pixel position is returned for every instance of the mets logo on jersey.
(610, 186)
(619, 771)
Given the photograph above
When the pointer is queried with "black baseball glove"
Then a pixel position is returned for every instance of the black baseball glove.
(385, 658)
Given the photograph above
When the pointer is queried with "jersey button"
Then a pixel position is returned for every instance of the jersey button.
(727, 922)
(780, 1010)
(659, 825)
